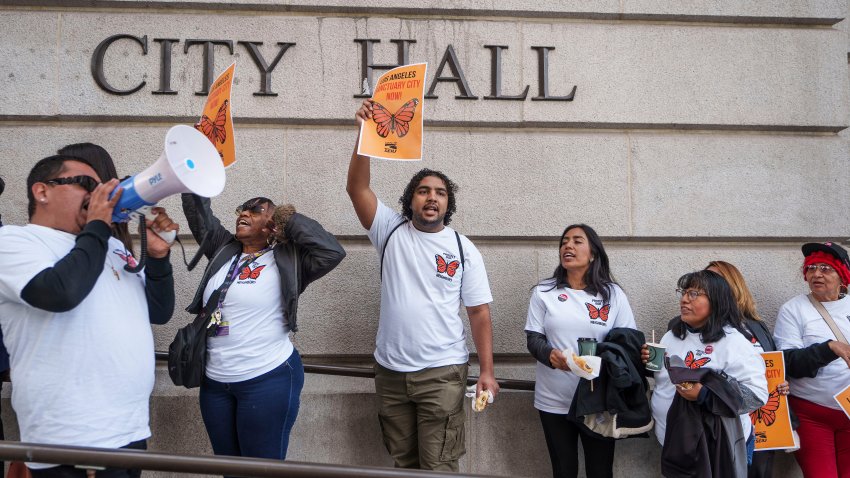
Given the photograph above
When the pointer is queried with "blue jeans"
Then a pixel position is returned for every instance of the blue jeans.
(254, 417)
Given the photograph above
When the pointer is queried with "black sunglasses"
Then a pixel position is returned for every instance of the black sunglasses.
(256, 209)
(86, 182)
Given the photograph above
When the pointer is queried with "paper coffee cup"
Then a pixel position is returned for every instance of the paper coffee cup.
(656, 357)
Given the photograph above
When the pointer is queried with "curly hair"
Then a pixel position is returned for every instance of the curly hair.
(280, 218)
(406, 199)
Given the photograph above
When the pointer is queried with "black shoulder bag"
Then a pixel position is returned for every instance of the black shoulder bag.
(187, 354)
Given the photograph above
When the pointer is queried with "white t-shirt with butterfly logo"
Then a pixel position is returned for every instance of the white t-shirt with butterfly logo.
(257, 340)
(421, 292)
(82, 377)
(733, 354)
(564, 316)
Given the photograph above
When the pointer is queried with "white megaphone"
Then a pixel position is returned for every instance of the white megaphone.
(188, 164)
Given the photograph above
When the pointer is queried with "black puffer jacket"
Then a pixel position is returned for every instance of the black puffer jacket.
(310, 253)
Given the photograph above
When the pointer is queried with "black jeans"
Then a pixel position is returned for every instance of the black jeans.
(562, 440)
(67, 471)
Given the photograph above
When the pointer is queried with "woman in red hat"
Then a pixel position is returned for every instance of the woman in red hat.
(817, 359)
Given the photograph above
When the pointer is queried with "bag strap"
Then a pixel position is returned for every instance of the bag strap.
(828, 319)
(216, 297)
(384, 250)
(459, 248)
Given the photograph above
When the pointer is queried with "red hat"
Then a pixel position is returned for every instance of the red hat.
(828, 253)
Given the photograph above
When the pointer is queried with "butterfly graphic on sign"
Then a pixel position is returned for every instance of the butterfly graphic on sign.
(767, 413)
(398, 123)
(214, 129)
(444, 267)
(691, 362)
(248, 273)
(601, 313)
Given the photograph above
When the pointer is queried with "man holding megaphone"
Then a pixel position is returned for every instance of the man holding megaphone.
(76, 322)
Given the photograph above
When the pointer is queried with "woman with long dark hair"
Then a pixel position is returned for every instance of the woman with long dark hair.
(706, 336)
(104, 166)
(580, 300)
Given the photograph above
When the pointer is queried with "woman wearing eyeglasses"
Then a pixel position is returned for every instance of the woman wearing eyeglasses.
(817, 360)
(700, 415)
(251, 393)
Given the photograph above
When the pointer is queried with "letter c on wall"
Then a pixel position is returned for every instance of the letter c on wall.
(97, 63)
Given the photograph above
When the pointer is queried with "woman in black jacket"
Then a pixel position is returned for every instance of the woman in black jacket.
(251, 392)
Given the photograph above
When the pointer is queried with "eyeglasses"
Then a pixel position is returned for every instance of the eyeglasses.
(824, 268)
(691, 293)
(254, 210)
(86, 182)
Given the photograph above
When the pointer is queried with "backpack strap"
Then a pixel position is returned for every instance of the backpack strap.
(384, 249)
(459, 248)
(387, 241)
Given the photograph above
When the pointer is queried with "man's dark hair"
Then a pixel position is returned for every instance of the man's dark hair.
(407, 198)
(598, 278)
(724, 309)
(47, 168)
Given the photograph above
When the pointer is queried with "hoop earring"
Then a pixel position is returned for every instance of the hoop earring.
(270, 241)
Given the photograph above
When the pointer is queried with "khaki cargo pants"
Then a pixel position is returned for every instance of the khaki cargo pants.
(421, 415)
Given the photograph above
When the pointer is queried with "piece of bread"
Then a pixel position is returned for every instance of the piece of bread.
(582, 363)
(481, 401)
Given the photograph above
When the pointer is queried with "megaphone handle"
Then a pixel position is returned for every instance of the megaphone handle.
(167, 236)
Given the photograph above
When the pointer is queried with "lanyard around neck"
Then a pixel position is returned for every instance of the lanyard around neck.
(234, 271)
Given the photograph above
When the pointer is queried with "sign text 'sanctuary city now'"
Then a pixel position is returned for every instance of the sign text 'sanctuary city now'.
(449, 60)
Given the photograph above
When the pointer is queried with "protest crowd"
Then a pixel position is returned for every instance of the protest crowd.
(703, 389)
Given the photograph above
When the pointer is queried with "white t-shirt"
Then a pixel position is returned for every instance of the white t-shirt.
(799, 325)
(564, 316)
(421, 292)
(733, 354)
(258, 336)
(82, 377)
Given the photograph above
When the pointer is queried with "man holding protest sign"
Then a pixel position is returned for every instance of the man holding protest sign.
(421, 354)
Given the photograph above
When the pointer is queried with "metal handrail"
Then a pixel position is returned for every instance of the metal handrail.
(89, 457)
(368, 372)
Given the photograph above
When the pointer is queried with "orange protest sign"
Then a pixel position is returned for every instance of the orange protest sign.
(395, 131)
(772, 421)
(216, 121)
(843, 399)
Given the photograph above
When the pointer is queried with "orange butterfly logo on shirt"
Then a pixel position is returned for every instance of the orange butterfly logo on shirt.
(598, 313)
(248, 273)
(398, 123)
(449, 268)
(691, 363)
(767, 413)
(214, 130)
